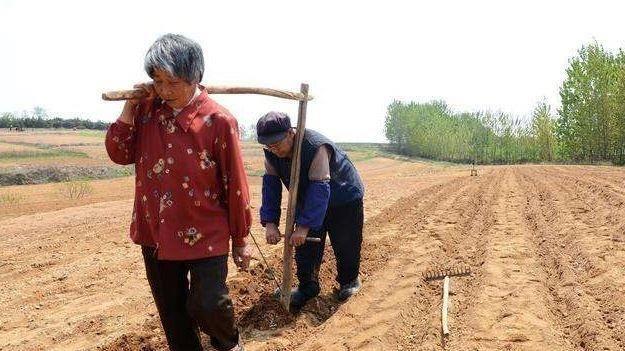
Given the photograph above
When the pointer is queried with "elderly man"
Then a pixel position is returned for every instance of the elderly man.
(329, 201)
(191, 194)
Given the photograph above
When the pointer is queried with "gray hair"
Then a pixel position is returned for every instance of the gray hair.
(178, 55)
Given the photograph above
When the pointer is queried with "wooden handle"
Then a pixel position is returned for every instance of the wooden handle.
(445, 306)
(138, 93)
(287, 253)
(123, 95)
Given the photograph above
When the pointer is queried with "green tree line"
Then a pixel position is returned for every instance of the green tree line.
(39, 118)
(589, 127)
(433, 130)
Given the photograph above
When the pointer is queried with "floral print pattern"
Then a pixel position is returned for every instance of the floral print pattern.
(190, 236)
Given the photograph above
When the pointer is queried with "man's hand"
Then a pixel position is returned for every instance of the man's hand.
(299, 236)
(272, 233)
(242, 255)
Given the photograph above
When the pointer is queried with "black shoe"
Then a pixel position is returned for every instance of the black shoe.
(239, 347)
(349, 289)
(298, 300)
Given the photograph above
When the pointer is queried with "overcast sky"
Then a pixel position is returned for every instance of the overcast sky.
(357, 57)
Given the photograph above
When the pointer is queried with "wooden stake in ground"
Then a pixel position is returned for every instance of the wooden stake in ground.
(287, 256)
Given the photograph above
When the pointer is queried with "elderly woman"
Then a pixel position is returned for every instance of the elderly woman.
(191, 194)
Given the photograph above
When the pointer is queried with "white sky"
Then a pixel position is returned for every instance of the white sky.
(357, 57)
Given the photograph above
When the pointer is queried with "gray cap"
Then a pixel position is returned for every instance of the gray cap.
(272, 127)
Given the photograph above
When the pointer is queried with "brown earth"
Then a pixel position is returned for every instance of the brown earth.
(545, 244)
(52, 138)
(6, 147)
(41, 142)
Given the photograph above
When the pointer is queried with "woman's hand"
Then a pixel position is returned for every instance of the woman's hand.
(148, 87)
(127, 115)
(242, 255)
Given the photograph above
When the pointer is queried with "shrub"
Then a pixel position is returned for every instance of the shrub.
(77, 189)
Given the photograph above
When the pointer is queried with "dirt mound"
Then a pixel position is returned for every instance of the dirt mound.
(133, 342)
(265, 313)
(148, 337)
(256, 307)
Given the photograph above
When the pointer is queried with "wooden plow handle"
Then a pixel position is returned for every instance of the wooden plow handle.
(287, 253)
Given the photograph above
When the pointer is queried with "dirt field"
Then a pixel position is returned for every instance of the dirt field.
(15, 148)
(52, 148)
(546, 245)
(53, 137)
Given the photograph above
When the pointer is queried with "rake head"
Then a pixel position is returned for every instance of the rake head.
(442, 272)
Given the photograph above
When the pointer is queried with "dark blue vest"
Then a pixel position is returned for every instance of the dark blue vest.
(345, 182)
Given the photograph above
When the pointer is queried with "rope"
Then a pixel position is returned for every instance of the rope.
(266, 263)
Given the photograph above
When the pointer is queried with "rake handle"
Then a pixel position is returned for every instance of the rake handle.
(445, 306)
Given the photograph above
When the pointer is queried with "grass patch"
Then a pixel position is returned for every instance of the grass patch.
(398, 157)
(93, 133)
(10, 199)
(122, 172)
(77, 189)
(254, 172)
(57, 174)
(42, 153)
(363, 151)
(358, 156)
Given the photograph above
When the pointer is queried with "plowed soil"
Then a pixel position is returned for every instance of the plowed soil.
(545, 245)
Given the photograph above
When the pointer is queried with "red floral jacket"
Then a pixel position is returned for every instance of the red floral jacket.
(191, 191)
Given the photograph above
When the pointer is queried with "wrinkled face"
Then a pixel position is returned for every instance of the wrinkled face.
(284, 147)
(176, 92)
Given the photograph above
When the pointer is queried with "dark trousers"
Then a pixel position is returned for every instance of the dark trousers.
(184, 308)
(344, 225)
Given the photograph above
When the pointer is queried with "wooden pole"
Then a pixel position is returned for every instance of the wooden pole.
(287, 256)
(139, 93)
(445, 305)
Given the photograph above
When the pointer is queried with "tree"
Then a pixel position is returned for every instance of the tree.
(39, 118)
(543, 129)
(588, 123)
(248, 133)
(433, 130)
